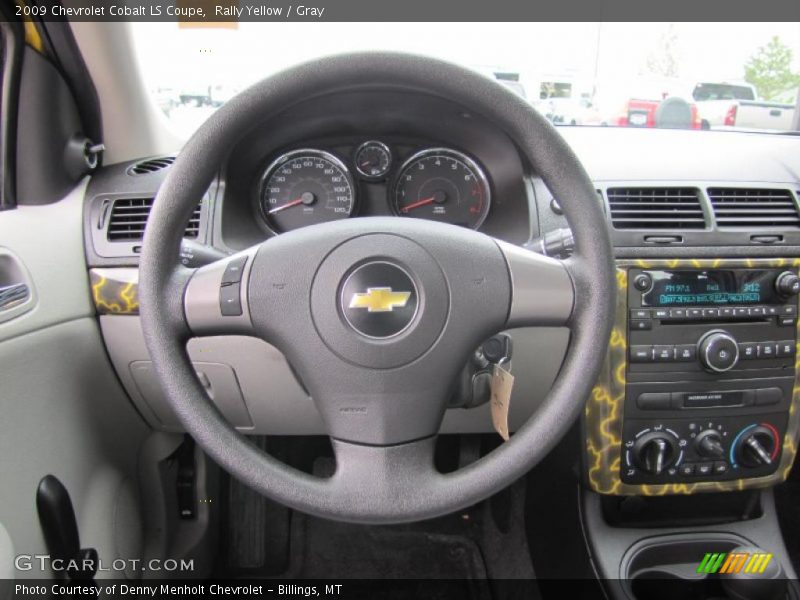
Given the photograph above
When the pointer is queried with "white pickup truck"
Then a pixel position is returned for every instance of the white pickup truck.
(722, 105)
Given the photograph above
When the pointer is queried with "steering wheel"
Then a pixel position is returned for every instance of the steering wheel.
(378, 315)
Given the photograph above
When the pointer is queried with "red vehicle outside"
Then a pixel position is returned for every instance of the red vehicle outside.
(642, 113)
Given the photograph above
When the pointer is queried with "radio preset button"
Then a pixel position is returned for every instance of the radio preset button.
(740, 311)
(726, 312)
(758, 311)
(771, 311)
(710, 313)
(663, 353)
(748, 350)
(641, 324)
(641, 354)
(694, 313)
(677, 313)
(767, 350)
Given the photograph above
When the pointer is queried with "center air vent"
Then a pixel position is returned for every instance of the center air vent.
(754, 208)
(655, 208)
(151, 165)
(129, 217)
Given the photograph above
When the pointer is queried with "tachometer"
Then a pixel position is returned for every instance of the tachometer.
(442, 185)
(304, 187)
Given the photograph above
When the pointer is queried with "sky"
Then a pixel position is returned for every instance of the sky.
(254, 50)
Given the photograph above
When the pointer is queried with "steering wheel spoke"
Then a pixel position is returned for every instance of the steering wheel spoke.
(215, 298)
(542, 290)
(369, 476)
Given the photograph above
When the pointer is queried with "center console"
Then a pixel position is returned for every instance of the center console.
(699, 385)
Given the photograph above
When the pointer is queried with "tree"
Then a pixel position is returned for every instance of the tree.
(770, 70)
(663, 60)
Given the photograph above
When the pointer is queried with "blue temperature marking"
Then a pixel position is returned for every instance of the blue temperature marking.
(733, 445)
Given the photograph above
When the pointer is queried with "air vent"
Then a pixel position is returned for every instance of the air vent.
(152, 165)
(655, 208)
(129, 217)
(754, 208)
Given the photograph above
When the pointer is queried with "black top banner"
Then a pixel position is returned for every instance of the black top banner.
(226, 13)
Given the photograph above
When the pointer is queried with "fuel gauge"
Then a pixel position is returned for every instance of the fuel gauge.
(373, 159)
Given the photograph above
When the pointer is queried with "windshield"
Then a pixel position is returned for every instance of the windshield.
(720, 76)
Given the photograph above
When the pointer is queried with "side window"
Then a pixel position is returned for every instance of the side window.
(12, 40)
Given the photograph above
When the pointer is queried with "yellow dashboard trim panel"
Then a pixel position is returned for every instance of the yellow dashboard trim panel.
(604, 409)
(115, 291)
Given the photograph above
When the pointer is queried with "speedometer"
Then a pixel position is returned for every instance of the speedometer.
(442, 185)
(305, 187)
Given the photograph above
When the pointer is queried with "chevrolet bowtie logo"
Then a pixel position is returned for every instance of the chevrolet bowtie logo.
(380, 299)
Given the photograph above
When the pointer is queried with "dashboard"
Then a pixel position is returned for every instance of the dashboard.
(698, 393)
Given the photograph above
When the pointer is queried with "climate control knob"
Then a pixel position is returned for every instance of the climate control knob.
(718, 351)
(655, 452)
(756, 446)
(787, 284)
(708, 443)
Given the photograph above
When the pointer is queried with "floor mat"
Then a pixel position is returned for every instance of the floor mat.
(327, 549)
(478, 553)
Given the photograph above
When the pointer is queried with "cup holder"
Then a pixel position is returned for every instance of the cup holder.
(666, 567)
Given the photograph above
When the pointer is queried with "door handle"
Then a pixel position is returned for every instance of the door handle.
(12, 295)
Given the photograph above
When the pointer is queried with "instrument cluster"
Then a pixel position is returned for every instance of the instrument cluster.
(307, 186)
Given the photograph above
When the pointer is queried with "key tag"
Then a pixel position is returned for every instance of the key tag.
(502, 384)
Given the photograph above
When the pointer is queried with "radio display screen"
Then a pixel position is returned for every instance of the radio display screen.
(711, 288)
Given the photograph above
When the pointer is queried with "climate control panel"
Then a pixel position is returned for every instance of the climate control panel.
(700, 449)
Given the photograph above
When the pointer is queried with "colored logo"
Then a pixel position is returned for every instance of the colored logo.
(380, 299)
(734, 562)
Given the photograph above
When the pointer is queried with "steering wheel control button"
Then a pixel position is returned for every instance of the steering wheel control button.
(379, 300)
(233, 272)
(230, 303)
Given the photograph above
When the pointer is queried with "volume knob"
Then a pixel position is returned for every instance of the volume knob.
(718, 351)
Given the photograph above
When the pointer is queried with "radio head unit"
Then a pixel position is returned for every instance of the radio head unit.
(718, 287)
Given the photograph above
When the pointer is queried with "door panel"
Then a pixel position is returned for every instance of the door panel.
(63, 409)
